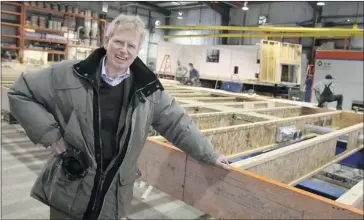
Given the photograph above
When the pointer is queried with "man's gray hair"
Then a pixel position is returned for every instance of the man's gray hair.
(127, 22)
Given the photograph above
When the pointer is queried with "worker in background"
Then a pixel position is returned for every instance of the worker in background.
(194, 75)
(94, 114)
(181, 72)
(326, 92)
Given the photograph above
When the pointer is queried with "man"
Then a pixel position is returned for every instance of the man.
(325, 91)
(181, 72)
(95, 115)
(194, 75)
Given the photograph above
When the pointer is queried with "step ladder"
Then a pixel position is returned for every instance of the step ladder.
(166, 67)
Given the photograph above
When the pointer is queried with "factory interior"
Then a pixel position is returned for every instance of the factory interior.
(247, 74)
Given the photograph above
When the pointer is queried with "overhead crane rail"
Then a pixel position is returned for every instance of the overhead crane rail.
(267, 31)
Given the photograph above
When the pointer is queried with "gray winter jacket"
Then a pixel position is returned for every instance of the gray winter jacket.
(62, 101)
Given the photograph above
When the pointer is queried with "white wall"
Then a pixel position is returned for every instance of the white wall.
(348, 82)
(242, 56)
(200, 16)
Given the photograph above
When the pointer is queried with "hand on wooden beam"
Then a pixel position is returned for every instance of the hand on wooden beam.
(223, 163)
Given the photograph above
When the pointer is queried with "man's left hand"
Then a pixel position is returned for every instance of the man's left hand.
(223, 163)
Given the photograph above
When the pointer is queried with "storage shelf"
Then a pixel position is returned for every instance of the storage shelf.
(45, 29)
(10, 36)
(51, 11)
(82, 46)
(23, 39)
(12, 4)
(49, 51)
(10, 12)
(45, 40)
(10, 24)
(10, 48)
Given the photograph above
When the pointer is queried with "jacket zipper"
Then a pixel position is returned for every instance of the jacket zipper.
(102, 174)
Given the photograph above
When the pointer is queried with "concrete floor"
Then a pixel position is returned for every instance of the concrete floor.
(22, 161)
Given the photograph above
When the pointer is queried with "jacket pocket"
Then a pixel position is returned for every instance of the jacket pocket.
(125, 192)
(60, 191)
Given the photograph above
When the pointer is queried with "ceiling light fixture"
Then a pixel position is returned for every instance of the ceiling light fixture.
(320, 3)
(180, 15)
(245, 7)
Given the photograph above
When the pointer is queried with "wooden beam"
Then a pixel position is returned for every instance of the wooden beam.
(187, 95)
(206, 99)
(283, 112)
(235, 194)
(239, 105)
(223, 119)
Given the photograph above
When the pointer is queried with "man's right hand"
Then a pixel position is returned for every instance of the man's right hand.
(59, 146)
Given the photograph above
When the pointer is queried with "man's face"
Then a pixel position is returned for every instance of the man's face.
(122, 48)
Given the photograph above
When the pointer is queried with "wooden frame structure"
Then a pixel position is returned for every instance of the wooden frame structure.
(275, 54)
(262, 186)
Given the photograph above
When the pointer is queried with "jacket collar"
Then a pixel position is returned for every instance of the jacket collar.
(144, 78)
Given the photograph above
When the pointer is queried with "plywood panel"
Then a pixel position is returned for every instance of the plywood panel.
(232, 140)
(298, 163)
(284, 112)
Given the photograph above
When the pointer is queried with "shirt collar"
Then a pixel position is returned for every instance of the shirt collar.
(120, 75)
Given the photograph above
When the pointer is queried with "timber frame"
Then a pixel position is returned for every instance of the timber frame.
(262, 186)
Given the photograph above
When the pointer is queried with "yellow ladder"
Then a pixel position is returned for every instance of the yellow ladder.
(165, 67)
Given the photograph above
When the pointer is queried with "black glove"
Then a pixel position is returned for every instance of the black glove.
(74, 164)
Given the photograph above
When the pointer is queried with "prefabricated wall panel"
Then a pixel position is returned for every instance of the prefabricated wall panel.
(274, 54)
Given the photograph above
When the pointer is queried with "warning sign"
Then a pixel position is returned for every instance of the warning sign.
(323, 64)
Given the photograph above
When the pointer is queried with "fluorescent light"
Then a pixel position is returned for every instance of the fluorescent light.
(179, 17)
(245, 8)
(320, 3)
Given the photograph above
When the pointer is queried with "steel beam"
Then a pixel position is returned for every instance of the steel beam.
(264, 29)
(260, 35)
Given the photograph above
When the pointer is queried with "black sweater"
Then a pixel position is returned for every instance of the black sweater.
(113, 104)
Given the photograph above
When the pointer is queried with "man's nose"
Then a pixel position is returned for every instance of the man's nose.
(124, 47)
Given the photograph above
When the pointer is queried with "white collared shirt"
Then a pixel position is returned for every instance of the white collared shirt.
(113, 81)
